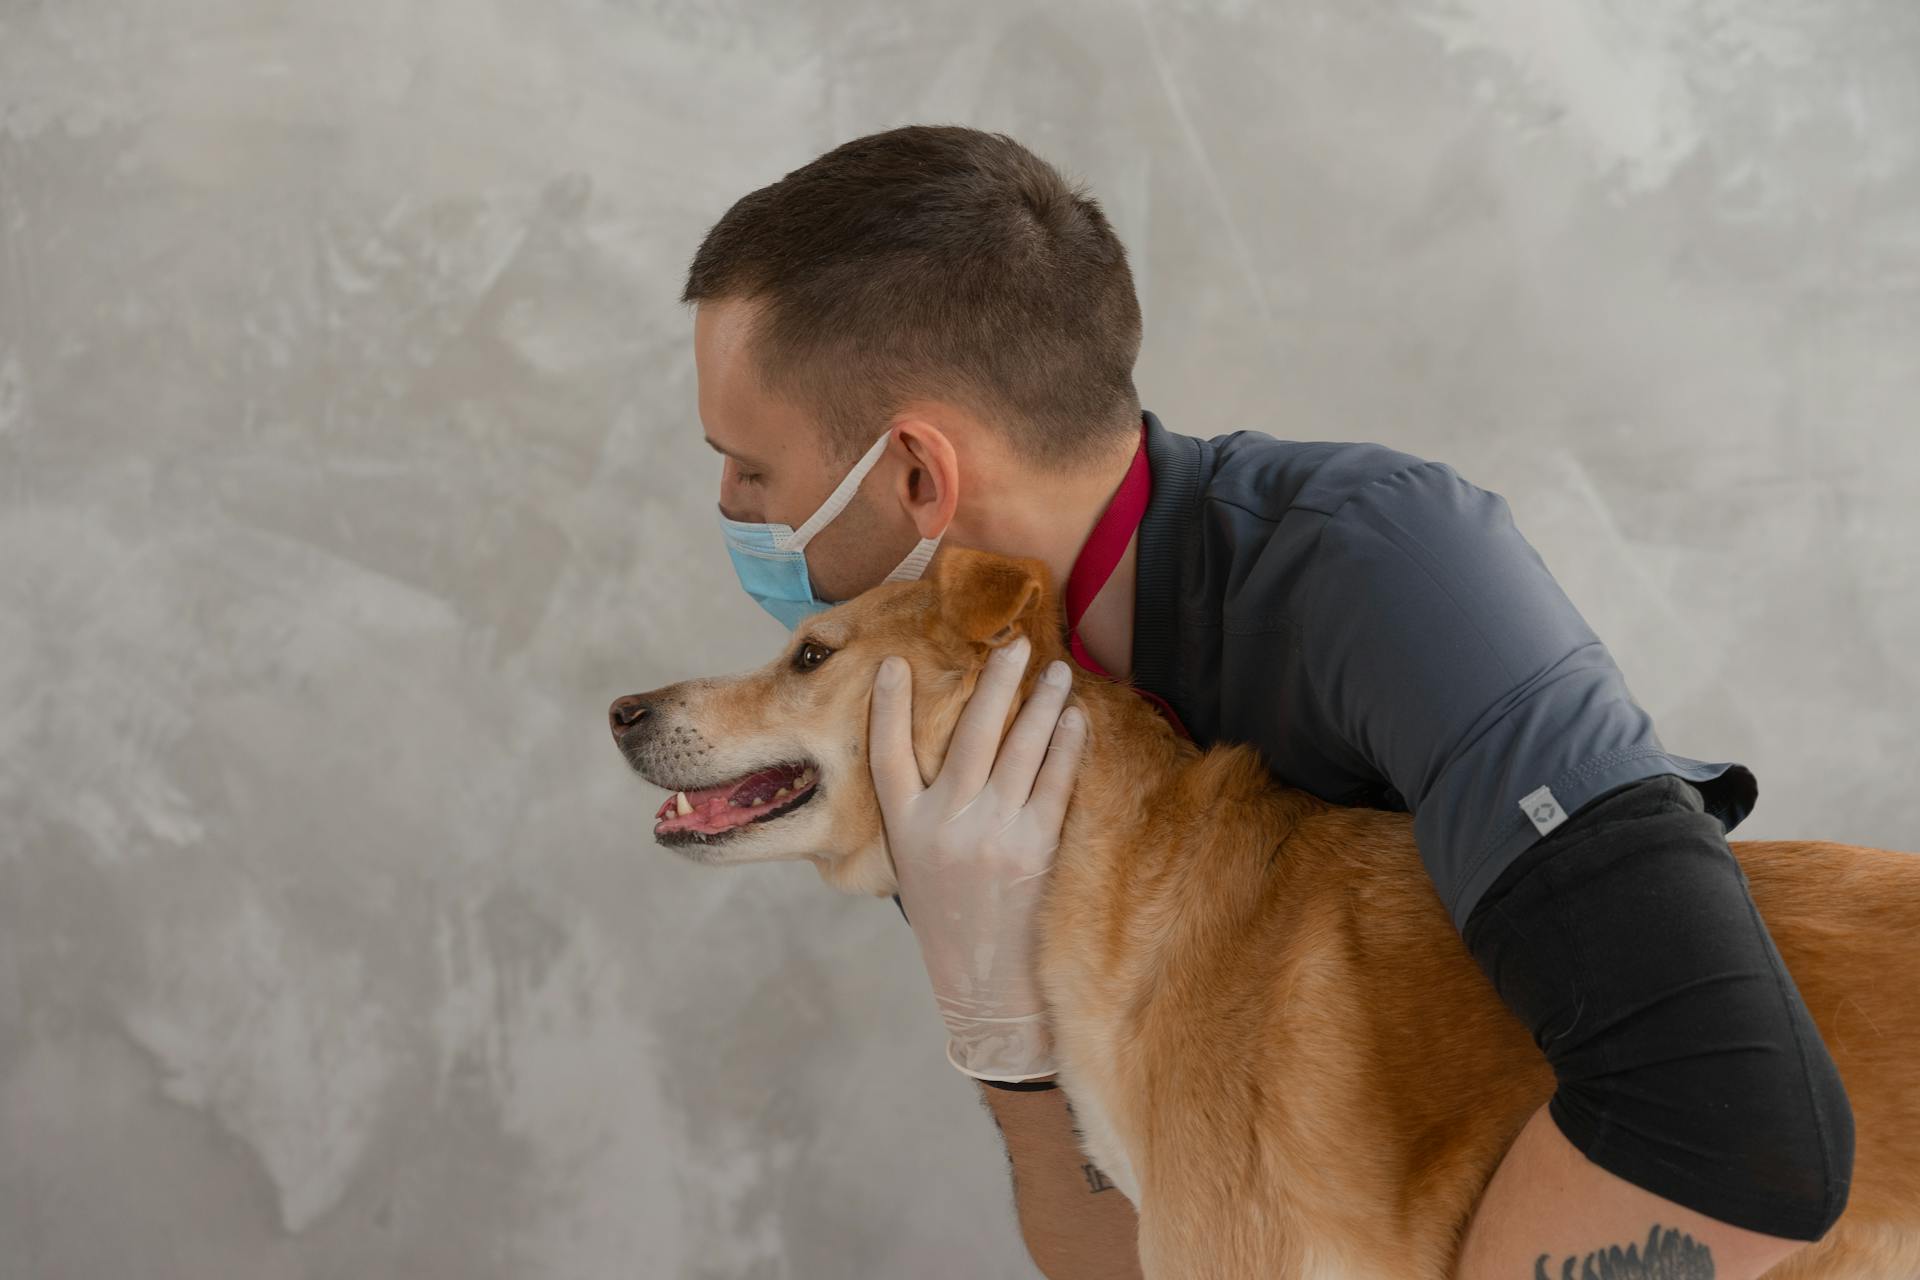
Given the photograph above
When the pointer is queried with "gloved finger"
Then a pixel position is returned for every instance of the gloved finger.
(976, 739)
(1047, 807)
(896, 774)
(1026, 745)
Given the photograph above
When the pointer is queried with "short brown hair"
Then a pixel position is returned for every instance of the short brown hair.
(935, 262)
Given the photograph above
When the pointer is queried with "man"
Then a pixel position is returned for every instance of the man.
(926, 335)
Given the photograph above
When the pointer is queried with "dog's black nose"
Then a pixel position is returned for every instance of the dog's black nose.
(625, 713)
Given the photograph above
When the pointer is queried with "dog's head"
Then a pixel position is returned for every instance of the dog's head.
(772, 764)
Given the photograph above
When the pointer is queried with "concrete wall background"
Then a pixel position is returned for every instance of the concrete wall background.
(349, 465)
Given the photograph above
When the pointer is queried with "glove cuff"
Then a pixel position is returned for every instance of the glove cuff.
(1044, 1069)
(1024, 1086)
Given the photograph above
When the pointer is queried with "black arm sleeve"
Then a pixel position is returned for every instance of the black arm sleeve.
(1687, 1063)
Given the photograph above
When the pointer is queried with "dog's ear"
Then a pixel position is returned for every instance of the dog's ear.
(988, 599)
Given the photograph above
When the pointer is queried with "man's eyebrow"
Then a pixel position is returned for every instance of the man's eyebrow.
(737, 457)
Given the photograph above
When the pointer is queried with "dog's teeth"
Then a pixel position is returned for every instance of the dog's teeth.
(680, 804)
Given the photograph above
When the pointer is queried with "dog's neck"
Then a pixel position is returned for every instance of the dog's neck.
(1142, 792)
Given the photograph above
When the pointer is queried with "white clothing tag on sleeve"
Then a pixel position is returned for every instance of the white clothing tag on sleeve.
(1542, 810)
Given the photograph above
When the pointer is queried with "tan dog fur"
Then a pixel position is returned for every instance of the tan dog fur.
(1276, 1044)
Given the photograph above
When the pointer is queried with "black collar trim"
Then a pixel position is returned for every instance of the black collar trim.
(1166, 533)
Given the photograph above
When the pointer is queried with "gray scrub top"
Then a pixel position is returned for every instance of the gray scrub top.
(1377, 626)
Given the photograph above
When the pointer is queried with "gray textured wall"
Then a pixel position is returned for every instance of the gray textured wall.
(349, 465)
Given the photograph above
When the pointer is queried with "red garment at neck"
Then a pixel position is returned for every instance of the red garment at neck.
(1103, 550)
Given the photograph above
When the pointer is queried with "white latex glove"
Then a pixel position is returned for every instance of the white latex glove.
(972, 852)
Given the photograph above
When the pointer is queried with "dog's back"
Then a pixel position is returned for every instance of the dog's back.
(1847, 922)
(1311, 1075)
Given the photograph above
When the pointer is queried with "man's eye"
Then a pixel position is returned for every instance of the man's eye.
(811, 655)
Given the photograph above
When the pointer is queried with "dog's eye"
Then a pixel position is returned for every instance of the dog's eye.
(811, 654)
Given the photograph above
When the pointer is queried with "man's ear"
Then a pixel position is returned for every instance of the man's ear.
(988, 599)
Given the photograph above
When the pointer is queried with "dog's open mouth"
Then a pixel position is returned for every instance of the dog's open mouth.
(710, 812)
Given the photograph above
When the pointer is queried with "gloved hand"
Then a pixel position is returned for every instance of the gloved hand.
(972, 852)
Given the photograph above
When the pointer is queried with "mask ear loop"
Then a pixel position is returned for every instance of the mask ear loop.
(915, 565)
(839, 498)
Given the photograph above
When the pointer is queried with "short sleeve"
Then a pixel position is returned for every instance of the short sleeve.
(1441, 650)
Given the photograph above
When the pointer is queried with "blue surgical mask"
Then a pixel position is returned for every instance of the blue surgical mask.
(771, 558)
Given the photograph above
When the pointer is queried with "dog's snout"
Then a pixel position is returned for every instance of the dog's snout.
(626, 712)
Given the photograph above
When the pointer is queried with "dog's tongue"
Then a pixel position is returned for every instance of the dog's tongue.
(731, 804)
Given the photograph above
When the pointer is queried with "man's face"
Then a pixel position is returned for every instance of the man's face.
(776, 467)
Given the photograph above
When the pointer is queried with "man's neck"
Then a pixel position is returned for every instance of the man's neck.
(1106, 629)
(1053, 523)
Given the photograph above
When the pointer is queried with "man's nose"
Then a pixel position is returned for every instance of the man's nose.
(625, 713)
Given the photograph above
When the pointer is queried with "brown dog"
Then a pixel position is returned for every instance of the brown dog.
(1273, 1039)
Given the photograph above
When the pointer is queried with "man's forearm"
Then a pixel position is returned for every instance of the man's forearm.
(1548, 1207)
(1075, 1223)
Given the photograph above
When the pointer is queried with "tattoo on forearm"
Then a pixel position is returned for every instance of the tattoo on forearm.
(1667, 1255)
(1096, 1180)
